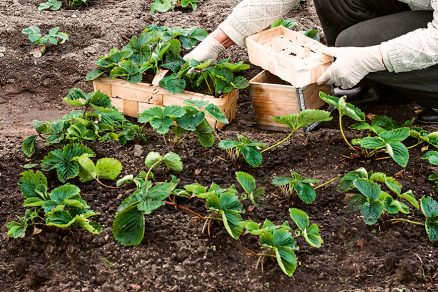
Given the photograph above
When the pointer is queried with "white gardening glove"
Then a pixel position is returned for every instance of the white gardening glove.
(208, 49)
(352, 65)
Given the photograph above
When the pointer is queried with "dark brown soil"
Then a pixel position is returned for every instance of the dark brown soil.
(175, 255)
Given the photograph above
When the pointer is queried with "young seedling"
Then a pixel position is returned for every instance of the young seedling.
(167, 5)
(429, 208)
(97, 120)
(249, 185)
(65, 160)
(104, 169)
(57, 4)
(297, 184)
(280, 241)
(432, 157)
(61, 207)
(252, 151)
(387, 141)
(41, 42)
(371, 200)
(175, 123)
(287, 23)
(224, 205)
(129, 222)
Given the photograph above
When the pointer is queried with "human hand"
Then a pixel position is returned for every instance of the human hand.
(208, 49)
(352, 65)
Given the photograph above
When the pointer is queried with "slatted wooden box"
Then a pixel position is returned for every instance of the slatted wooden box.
(133, 99)
(290, 55)
(272, 96)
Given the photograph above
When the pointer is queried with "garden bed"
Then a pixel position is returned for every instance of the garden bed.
(174, 254)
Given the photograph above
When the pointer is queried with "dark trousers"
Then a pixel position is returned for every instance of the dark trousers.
(363, 23)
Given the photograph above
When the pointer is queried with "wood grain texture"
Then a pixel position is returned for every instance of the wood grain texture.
(133, 99)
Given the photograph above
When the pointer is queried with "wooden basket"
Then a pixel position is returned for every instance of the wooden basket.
(290, 55)
(133, 99)
(272, 96)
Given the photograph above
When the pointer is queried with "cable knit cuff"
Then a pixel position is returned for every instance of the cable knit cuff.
(385, 55)
(236, 36)
(392, 55)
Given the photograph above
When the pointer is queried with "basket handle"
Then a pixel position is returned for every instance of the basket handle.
(160, 75)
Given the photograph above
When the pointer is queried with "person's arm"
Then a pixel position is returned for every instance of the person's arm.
(415, 50)
(247, 18)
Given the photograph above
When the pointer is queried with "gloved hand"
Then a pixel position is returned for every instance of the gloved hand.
(352, 65)
(208, 49)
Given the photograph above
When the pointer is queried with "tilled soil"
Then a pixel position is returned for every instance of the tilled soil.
(175, 255)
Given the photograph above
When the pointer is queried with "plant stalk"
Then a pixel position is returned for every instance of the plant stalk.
(326, 183)
(343, 134)
(279, 143)
(152, 167)
(396, 220)
(107, 186)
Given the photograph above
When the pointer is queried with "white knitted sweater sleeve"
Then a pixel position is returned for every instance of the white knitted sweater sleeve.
(415, 50)
(252, 16)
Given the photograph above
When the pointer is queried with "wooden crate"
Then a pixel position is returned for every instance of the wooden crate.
(290, 55)
(272, 96)
(133, 99)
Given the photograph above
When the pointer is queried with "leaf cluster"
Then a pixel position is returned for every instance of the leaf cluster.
(55, 5)
(62, 207)
(371, 200)
(157, 47)
(250, 150)
(167, 5)
(181, 121)
(297, 184)
(53, 37)
(98, 121)
(281, 240)
(207, 77)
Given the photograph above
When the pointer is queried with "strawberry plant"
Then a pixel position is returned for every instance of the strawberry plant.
(287, 23)
(57, 4)
(129, 223)
(251, 150)
(371, 200)
(157, 47)
(167, 5)
(224, 205)
(41, 42)
(97, 120)
(389, 139)
(297, 184)
(389, 142)
(429, 209)
(62, 207)
(65, 160)
(213, 79)
(175, 123)
(249, 185)
(280, 242)
(104, 169)
(432, 157)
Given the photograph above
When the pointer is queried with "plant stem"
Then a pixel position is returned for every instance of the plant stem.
(107, 186)
(343, 134)
(184, 208)
(152, 167)
(326, 183)
(415, 145)
(208, 84)
(279, 143)
(396, 220)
